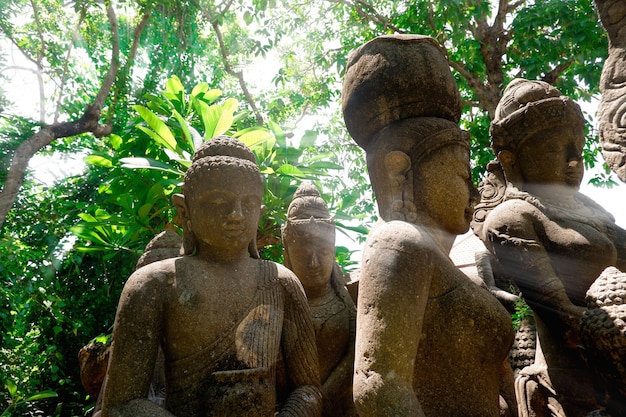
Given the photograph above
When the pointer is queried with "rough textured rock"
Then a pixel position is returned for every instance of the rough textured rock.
(603, 335)
(612, 109)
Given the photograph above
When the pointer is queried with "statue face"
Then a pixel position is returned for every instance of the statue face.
(224, 209)
(311, 251)
(443, 188)
(550, 159)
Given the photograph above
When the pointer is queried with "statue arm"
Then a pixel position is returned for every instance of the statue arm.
(136, 338)
(393, 294)
(513, 236)
(337, 389)
(300, 352)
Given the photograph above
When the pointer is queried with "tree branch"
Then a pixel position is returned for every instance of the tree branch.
(229, 69)
(88, 122)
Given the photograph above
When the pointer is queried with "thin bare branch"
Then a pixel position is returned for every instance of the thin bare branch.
(227, 66)
(66, 66)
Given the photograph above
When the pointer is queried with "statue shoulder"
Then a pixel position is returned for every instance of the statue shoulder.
(156, 275)
(511, 212)
(400, 236)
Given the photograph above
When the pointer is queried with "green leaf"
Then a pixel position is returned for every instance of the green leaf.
(308, 139)
(290, 170)
(99, 161)
(184, 126)
(149, 163)
(174, 85)
(225, 120)
(257, 138)
(116, 141)
(210, 116)
(11, 387)
(278, 133)
(200, 88)
(42, 395)
(160, 132)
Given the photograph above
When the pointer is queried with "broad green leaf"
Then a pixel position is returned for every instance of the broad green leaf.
(174, 85)
(256, 138)
(290, 170)
(116, 141)
(99, 161)
(11, 387)
(149, 163)
(308, 139)
(225, 120)
(323, 165)
(209, 115)
(200, 88)
(161, 133)
(278, 133)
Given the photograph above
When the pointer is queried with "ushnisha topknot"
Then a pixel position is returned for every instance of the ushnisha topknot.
(221, 151)
(225, 146)
(529, 107)
(396, 77)
(306, 203)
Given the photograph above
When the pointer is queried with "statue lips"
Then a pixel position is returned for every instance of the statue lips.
(573, 176)
(233, 229)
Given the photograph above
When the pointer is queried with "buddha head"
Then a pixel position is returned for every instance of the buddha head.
(309, 239)
(220, 204)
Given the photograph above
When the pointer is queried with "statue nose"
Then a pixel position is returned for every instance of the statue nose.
(314, 261)
(236, 212)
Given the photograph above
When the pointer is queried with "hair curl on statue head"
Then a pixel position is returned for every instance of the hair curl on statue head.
(219, 152)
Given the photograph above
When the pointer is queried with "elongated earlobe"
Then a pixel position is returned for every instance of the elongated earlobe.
(400, 174)
(189, 239)
(511, 168)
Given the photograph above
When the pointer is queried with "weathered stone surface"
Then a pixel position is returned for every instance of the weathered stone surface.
(549, 239)
(603, 335)
(385, 83)
(612, 109)
(309, 251)
(230, 325)
(429, 341)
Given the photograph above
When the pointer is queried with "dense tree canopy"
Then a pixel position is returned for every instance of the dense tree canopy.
(134, 84)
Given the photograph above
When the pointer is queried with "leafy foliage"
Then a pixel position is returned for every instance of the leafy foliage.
(66, 249)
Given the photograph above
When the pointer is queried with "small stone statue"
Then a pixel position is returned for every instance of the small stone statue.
(429, 341)
(230, 325)
(552, 241)
(309, 251)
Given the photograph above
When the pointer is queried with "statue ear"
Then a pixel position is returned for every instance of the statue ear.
(397, 165)
(400, 173)
(511, 169)
(189, 240)
(181, 206)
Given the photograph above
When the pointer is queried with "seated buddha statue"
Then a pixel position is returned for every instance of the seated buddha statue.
(227, 322)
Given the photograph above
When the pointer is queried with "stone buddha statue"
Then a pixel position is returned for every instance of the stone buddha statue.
(429, 341)
(227, 322)
(551, 240)
(309, 251)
